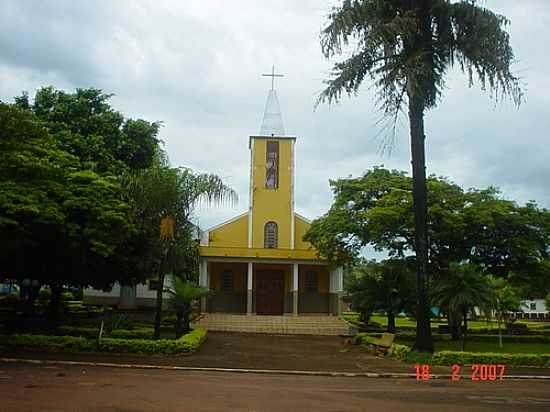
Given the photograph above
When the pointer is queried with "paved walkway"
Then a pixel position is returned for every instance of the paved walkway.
(77, 388)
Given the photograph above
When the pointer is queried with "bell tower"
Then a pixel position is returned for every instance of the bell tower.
(271, 213)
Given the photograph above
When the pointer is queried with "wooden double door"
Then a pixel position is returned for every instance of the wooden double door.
(270, 289)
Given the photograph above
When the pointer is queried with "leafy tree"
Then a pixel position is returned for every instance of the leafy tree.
(464, 289)
(405, 47)
(182, 294)
(387, 286)
(163, 199)
(479, 226)
(85, 125)
(547, 302)
(505, 300)
(59, 224)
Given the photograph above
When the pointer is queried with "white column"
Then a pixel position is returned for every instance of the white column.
(295, 283)
(204, 281)
(336, 289)
(249, 288)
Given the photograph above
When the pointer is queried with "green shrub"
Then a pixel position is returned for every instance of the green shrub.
(509, 359)
(45, 293)
(93, 332)
(186, 344)
(66, 296)
(48, 343)
(85, 332)
(10, 300)
(137, 333)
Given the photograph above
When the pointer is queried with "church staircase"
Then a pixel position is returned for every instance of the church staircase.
(279, 325)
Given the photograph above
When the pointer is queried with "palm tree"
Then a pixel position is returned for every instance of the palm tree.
(462, 290)
(404, 48)
(164, 199)
(182, 294)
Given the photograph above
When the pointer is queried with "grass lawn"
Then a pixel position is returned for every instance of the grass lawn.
(535, 348)
(407, 322)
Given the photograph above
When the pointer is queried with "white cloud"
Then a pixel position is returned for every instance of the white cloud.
(197, 66)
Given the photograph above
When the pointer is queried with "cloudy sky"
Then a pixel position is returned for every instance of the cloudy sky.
(196, 65)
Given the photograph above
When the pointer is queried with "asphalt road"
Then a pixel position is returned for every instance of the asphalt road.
(72, 388)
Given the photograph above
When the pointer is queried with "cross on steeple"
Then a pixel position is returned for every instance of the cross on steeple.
(272, 75)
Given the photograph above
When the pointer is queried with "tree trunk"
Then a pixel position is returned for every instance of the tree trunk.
(179, 324)
(391, 322)
(423, 341)
(55, 304)
(186, 319)
(465, 331)
(453, 321)
(158, 314)
(499, 322)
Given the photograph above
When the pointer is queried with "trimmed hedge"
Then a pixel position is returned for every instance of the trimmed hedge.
(186, 344)
(447, 358)
(92, 333)
(510, 359)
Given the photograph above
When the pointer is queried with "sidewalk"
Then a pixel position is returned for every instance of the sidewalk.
(269, 352)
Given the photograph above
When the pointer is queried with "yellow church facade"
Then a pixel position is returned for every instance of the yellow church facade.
(258, 263)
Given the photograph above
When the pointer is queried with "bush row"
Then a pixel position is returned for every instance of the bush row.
(473, 338)
(447, 358)
(92, 333)
(186, 344)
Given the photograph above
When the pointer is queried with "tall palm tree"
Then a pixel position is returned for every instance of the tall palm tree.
(164, 199)
(404, 48)
(462, 290)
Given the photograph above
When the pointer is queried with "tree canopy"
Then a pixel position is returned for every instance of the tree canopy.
(476, 225)
(58, 221)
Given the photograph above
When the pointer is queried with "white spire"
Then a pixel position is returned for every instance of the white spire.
(272, 124)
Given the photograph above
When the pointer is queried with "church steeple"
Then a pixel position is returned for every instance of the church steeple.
(272, 124)
(271, 215)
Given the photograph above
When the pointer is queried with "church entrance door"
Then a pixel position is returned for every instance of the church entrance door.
(269, 292)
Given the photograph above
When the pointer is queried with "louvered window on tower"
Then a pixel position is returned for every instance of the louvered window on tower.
(270, 235)
(272, 165)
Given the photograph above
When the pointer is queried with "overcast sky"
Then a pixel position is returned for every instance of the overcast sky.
(196, 66)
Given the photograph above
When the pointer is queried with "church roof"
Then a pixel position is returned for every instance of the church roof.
(272, 124)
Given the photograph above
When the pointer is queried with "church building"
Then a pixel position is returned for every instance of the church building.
(257, 263)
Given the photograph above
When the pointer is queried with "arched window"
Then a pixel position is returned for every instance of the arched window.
(270, 235)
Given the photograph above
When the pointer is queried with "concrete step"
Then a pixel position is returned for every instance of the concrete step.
(304, 325)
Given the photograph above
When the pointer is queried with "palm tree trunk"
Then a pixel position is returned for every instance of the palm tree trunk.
(423, 341)
(158, 314)
(391, 322)
(454, 325)
(465, 331)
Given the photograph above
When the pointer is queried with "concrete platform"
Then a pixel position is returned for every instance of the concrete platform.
(280, 325)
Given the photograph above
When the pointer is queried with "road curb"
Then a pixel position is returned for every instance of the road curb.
(256, 371)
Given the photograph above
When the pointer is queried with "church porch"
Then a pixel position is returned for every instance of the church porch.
(268, 288)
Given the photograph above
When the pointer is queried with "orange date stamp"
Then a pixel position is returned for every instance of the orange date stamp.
(478, 372)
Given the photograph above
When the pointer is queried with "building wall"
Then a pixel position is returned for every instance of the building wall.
(232, 234)
(271, 205)
(144, 296)
(233, 301)
(301, 227)
(310, 301)
(534, 306)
